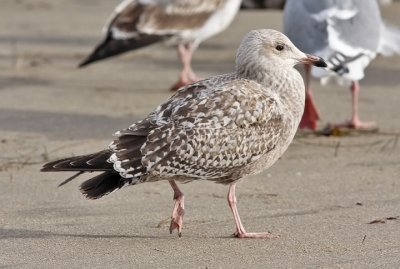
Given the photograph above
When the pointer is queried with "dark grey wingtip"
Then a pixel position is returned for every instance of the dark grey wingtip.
(49, 167)
(110, 47)
(85, 62)
(94, 56)
(70, 178)
(341, 70)
(45, 169)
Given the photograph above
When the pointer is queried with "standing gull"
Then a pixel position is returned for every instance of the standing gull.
(138, 23)
(219, 129)
(348, 34)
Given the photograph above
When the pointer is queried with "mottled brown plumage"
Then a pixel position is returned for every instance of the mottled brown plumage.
(219, 129)
(205, 132)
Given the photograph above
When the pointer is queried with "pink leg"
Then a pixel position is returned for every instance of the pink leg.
(355, 121)
(187, 63)
(311, 114)
(240, 231)
(187, 76)
(179, 209)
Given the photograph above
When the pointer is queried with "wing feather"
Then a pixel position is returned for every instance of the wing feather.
(208, 132)
(132, 18)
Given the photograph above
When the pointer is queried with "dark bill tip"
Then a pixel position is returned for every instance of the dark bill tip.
(314, 60)
(320, 63)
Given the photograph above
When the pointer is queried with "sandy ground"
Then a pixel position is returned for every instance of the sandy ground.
(320, 197)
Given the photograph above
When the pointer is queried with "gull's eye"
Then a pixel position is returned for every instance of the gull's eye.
(279, 47)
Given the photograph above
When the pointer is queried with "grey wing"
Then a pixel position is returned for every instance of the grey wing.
(339, 25)
(361, 30)
(306, 32)
(213, 135)
(345, 33)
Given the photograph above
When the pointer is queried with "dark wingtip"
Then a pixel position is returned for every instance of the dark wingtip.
(83, 64)
(44, 169)
(48, 167)
(341, 70)
(52, 166)
(97, 54)
(87, 61)
(70, 178)
(91, 58)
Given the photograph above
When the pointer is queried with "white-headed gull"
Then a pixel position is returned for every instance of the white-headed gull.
(348, 34)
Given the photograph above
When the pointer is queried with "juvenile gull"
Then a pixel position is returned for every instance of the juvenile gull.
(219, 129)
(348, 34)
(138, 23)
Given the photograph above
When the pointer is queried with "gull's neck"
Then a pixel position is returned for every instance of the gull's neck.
(286, 82)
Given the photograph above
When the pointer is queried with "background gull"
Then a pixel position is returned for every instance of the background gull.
(219, 129)
(138, 23)
(349, 34)
(263, 4)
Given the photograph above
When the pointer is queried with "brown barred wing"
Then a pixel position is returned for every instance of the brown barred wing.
(214, 136)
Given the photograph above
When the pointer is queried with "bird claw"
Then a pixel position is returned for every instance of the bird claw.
(265, 235)
(174, 225)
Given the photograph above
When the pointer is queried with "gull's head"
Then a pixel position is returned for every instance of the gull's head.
(271, 49)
